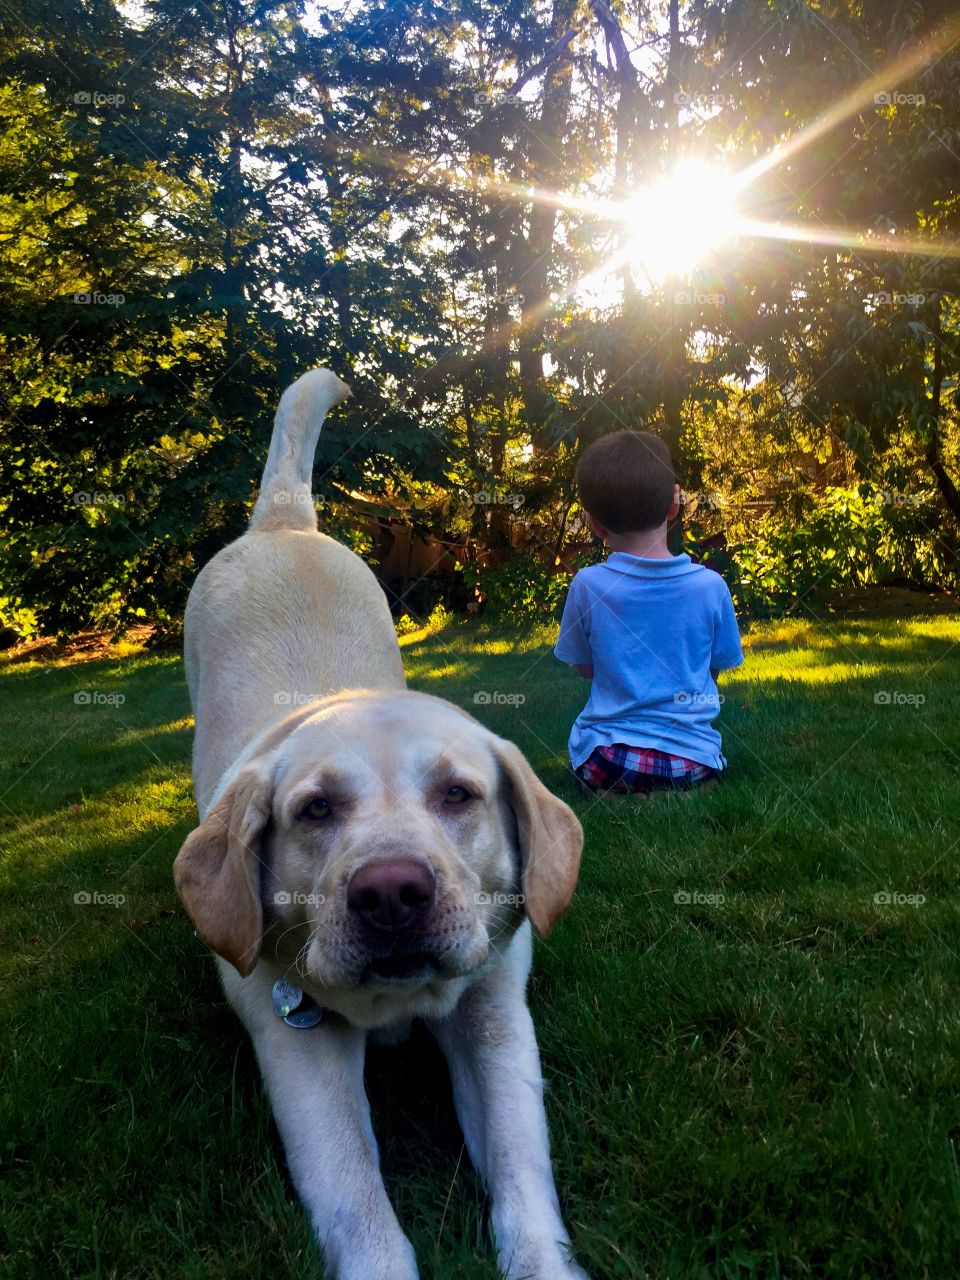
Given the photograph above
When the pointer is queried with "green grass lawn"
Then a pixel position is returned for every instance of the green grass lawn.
(762, 1080)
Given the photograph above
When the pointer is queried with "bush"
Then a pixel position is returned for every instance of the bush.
(440, 617)
(16, 622)
(848, 537)
(521, 588)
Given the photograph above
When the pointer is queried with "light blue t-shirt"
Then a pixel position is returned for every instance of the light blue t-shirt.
(652, 630)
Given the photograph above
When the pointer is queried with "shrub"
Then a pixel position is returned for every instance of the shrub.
(521, 588)
(847, 537)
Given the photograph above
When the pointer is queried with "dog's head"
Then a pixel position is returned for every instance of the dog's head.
(384, 844)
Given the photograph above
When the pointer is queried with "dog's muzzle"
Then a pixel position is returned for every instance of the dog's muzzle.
(390, 902)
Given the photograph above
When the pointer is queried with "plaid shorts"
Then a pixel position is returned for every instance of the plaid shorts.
(627, 770)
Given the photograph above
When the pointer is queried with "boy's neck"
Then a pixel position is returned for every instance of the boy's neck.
(648, 544)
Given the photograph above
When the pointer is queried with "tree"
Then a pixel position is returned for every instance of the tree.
(421, 196)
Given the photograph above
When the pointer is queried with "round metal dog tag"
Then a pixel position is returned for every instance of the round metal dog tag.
(308, 1015)
(293, 1005)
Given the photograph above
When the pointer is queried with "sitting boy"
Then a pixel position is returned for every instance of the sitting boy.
(650, 629)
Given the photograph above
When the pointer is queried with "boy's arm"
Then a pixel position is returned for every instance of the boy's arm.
(727, 650)
(573, 642)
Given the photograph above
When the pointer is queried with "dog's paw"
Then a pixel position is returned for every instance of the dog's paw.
(543, 1264)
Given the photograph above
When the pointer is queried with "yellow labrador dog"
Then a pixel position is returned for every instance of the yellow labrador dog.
(367, 857)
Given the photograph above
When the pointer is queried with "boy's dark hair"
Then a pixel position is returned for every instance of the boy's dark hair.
(626, 481)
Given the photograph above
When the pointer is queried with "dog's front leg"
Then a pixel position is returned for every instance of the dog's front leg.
(491, 1050)
(314, 1079)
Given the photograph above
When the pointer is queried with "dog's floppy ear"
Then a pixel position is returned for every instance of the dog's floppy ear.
(551, 839)
(217, 872)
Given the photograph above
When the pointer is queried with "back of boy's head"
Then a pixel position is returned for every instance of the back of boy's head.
(626, 480)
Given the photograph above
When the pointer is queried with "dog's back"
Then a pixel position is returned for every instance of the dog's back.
(284, 611)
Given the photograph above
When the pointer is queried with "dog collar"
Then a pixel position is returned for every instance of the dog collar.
(294, 1006)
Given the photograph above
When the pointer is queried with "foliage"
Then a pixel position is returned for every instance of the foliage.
(799, 513)
(406, 626)
(173, 259)
(197, 204)
(839, 540)
(16, 622)
(520, 589)
(438, 618)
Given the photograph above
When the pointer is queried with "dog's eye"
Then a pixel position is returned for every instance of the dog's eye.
(457, 795)
(316, 809)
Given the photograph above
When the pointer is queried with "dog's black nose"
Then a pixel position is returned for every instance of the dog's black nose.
(391, 895)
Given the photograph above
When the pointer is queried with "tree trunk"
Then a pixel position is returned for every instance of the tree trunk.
(531, 267)
(945, 483)
(339, 274)
(628, 96)
(674, 343)
(626, 125)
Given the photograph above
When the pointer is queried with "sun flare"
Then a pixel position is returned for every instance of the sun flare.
(674, 223)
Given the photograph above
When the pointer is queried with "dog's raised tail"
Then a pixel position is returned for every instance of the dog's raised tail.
(286, 497)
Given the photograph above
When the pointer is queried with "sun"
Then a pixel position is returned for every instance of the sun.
(673, 224)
